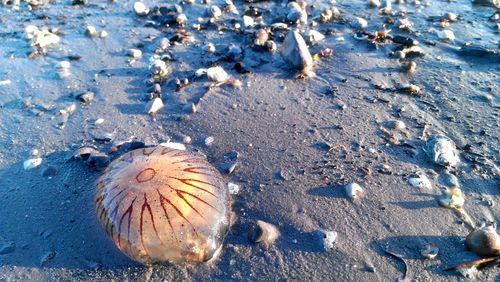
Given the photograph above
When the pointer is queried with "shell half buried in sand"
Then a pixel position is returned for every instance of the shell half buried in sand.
(164, 205)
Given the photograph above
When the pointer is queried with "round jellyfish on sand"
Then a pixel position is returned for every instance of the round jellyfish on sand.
(163, 205)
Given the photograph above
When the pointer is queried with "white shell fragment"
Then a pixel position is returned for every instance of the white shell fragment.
(217, 74)
(209, 141)
(453, 199)
(90, 31)
(32, 163)
(421, 181)
(359, 23)
(135, 53)
(233, 188)
(44, 38)
(328, 239)
(155, 105)
(174, 145)
(29, 31)
(447, 35)
(295, 51)
(140, 9)
(214, 11)
(354, 191)
(442, 150)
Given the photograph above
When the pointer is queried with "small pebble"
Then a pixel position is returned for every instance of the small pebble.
(328, 239)
(354, 191)
(140, 9)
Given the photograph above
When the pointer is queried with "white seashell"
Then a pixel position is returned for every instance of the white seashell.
(209, 141)
(63, 65)
(32, 163)
(248, 21)
(173, 145)
(135, 53)
(354, 191)
(181, 19)
(295, 51)
(29, 31)
(442, 150)
(103, 34)
(447, 35)
(359, 23)
(98, 121)
(215, 12)
(140, 9)
(155, 105)
(233, 188)
(45, 38)
(90, 31)
(328, 239)
(217, 74)
(421, 182)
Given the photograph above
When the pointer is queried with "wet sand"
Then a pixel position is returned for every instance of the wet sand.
(299, 143)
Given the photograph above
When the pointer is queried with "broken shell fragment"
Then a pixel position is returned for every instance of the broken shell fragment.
(484, 242)
(163, 205)
(297, 12)
(233, 188)
(30, 31)
(354, 191)
(328, 239)
(442, 150)
(263, 232)
(45, 38)
(359, 23)
(314, 36)
(430, 251)
(140, 9)
(174, 145)
(453, 199)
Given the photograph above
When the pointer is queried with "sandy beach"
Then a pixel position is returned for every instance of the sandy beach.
(298, 141)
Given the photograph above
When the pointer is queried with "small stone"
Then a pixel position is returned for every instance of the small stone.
(447, 35)
(217, 74)
(484, 242)
(354, 191)
(421, 181)
(430, 251)
(186, 140)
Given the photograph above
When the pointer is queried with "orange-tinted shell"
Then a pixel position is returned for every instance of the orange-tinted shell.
(158, 204)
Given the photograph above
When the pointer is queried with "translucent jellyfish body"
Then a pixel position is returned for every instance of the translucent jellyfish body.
(163, 205)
